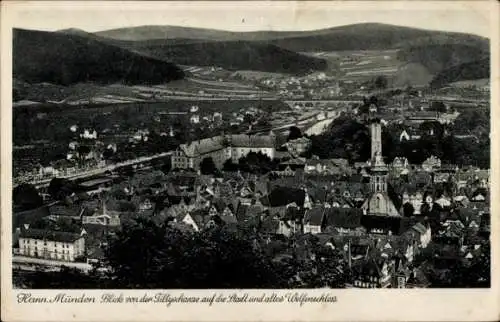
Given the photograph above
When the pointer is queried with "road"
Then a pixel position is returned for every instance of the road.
(30, 263)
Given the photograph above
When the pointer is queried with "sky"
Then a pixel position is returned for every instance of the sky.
(92, 16)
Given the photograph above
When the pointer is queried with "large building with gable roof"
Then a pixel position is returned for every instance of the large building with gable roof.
(221, 148)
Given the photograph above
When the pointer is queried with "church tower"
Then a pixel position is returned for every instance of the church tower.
(378, 170)
(379, 203)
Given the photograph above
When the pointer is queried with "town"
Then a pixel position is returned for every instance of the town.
(331, 222)
(350, 169)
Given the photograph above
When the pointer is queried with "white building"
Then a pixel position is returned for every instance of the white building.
(48, 244)
(89, 134)
(194, 119)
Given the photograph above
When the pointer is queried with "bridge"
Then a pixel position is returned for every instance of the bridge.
(306, 125)
(319, 103)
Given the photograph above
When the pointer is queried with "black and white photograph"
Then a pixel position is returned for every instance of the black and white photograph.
(196, 147)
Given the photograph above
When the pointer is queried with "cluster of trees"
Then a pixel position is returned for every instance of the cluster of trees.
(446, 272)
(294, 133)
(350, 139)
(253, 162)
(25, 197)
(346, 138)
(171, 258)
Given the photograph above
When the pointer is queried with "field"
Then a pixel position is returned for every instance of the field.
(364, 65)
(84, 94)
(483, 82)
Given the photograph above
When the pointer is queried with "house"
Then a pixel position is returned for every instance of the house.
(417, 279)
(313, 219)
(402, 272)
(480, 195)
(372, 273)
(431, 163)
(400, 163)
(66, 211)
(290, 219)
(424, 234)
(47, 244)
(298, 146)
(103, 217)
(194, 119)
(145, 204)
(197, 219)
(409, 134)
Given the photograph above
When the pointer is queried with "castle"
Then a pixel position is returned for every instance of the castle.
(221, 148)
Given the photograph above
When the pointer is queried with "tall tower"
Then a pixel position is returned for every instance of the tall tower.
(378, 170)
(379, 204)
(376, 138)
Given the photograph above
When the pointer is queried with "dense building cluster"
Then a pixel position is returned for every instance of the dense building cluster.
(392, 225)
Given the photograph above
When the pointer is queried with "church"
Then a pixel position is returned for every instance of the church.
(380, 215)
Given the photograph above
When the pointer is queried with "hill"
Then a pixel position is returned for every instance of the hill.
(432, 50)
(368, 36)
(164, 32)
(439, 56)
(478, 69)
(361, 36)
(64, 58)
(230, 55)
(141, 33)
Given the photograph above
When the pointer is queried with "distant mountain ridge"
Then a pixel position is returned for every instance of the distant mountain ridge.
(68, 59)
(280, 51)
(348, 37)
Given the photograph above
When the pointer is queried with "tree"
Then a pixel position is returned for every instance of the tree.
(346, 138)
(438, 106)
(83, 150)
(408, 209)
(25, 196)
(207, 166)
(256, 162)
(60, 188)
(295, 133)
(380, 82)
(166, 167)
(108, 154)
(230, 166)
